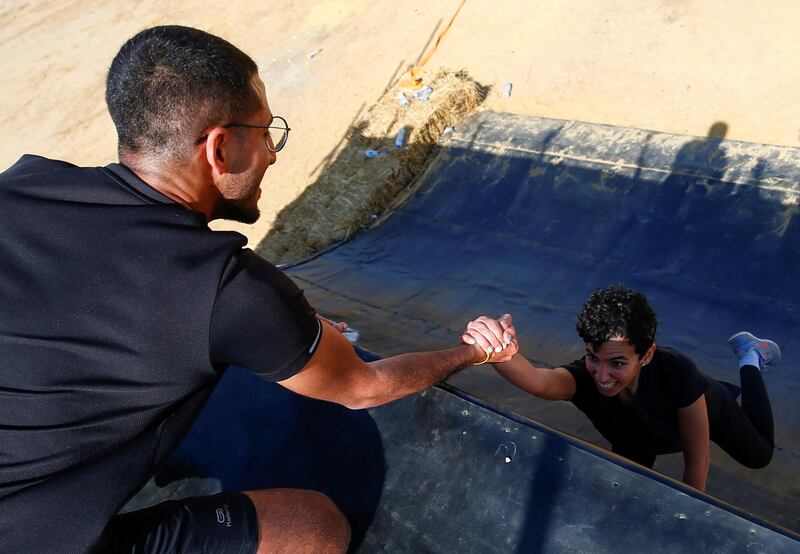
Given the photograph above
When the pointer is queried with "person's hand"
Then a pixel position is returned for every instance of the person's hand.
(496, 338)
(339, 326)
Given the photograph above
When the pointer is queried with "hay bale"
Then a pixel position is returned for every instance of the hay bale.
(352, 189)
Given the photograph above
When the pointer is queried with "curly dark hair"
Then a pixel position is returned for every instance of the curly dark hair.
(618, 312)
(167, 84)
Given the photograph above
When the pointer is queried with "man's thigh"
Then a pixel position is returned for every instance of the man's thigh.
(225, 522)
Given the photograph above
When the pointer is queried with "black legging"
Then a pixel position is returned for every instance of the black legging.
(749, 436)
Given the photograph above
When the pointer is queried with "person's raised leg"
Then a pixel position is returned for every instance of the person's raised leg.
(294, 520)
(754, 356)
(751, 437)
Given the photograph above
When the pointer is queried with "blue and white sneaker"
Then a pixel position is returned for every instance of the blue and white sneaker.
(744, 343)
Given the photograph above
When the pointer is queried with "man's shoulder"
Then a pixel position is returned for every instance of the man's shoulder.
(54, 182)
(32, 164)
(31, 168)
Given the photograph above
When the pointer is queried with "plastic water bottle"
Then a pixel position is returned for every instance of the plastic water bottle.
(400, 139)
(446, 134)
(422, 94)
(350, 334)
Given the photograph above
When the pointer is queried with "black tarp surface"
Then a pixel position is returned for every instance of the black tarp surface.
(528, 215)
(441, 472)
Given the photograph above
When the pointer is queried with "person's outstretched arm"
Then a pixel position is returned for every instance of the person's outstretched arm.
(335, 372)
(550, 384)
(694, 431)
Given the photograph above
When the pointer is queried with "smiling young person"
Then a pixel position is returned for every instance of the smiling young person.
(646, 399)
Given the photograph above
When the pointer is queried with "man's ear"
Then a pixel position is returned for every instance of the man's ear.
(649, 354)
(216, 150)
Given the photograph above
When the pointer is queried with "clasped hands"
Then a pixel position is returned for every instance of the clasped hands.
(496, 338)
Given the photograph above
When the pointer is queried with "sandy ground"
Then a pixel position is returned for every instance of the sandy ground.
(668, 65)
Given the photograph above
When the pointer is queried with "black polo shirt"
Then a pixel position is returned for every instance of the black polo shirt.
(119, 311)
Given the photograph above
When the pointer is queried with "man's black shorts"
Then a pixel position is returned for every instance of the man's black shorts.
(225, 522)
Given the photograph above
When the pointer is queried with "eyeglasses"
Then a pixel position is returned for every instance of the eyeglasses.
(275, 139)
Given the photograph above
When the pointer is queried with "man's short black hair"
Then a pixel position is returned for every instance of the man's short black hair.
(167, 84)
(618, 312)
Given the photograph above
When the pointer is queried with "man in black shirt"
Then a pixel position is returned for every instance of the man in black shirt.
(121, 309)
(648, 400)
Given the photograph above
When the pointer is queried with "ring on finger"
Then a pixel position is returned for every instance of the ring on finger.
(488, 355)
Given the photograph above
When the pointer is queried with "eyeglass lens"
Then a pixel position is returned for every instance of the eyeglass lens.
(278, 133)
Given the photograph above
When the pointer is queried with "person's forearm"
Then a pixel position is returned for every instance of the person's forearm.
(523, 374)
(404, 374)
(695, 475)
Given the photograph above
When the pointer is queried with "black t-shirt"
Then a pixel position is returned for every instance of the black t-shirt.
(120, 309)
(650, 422)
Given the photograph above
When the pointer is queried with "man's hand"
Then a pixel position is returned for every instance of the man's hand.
(497, 338)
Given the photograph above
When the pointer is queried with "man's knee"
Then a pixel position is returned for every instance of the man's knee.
(327, 522)
(299, 521)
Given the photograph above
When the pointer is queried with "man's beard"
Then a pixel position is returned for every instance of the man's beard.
(237, 210)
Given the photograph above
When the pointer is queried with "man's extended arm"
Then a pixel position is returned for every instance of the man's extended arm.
(336, 373)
